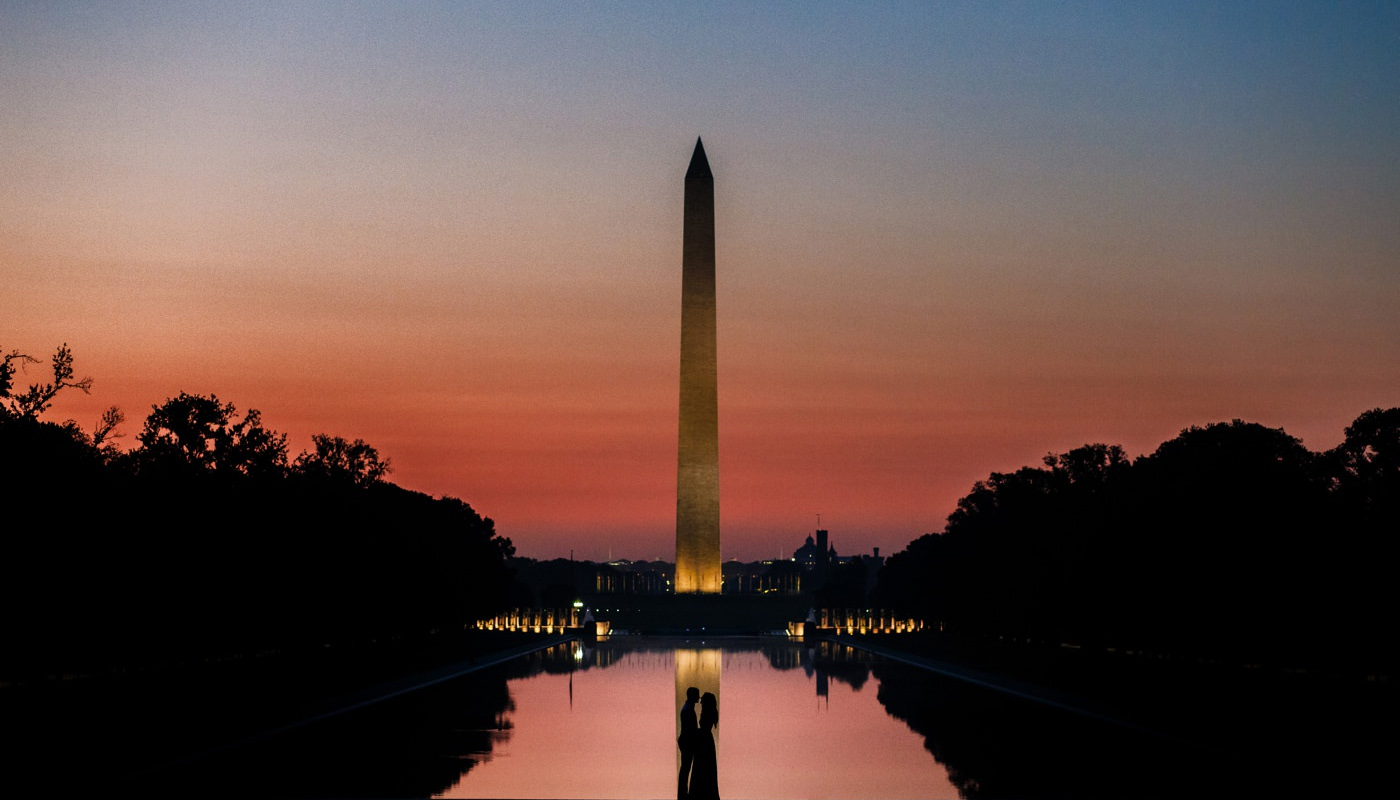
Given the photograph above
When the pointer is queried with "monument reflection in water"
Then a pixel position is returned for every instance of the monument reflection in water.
(700, 668)
(790, 726)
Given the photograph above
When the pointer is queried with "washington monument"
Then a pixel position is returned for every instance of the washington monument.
(697, 480)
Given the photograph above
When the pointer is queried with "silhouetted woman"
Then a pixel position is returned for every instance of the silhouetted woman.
(704, 773)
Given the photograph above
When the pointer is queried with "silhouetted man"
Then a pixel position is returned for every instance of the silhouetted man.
(690, 729)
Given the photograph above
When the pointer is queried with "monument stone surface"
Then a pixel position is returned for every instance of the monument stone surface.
(697, 481)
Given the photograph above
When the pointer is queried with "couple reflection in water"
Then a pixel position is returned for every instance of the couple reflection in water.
(699, 778)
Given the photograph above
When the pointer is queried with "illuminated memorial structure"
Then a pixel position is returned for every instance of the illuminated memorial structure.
(697, 479)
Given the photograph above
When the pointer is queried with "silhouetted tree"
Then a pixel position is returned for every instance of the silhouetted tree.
(1368, 465)
(59, 487)
(1020, 546)
(200, 542)
(843, 586)
(1230, 540)
(39, 396)
(1237, 507)
(336, 459)
(37, 399)
(200, 432)
(1361, 530)
(916, 580)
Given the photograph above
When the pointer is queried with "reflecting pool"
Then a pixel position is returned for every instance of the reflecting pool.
(792, 724)
(825, 721)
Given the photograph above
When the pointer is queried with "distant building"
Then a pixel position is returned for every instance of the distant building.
(825, 570)
(815, 568)
(635, 577)
(780, 576)
(815, 556)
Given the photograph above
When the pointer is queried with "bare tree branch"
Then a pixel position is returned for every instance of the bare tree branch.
(37, 399)
(107, 425)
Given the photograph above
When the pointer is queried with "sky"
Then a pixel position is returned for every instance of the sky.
(951, 238)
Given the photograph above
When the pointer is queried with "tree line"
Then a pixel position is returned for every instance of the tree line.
(207, 539)
(1231, 541)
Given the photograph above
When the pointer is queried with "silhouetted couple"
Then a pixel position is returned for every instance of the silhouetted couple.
(699, 779)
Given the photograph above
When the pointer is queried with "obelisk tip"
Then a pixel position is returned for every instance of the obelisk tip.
(699, 165)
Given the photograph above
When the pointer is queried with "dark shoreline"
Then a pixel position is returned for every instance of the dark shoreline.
(1301, 732)
(99, 730)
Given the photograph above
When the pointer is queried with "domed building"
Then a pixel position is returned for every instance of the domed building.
(815, 556)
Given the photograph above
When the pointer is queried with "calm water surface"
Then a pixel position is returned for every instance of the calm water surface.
(795, 722)
(790, 726)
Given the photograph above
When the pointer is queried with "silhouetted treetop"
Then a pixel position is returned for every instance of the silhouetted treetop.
(1366, 475)
(1236, 446)
(1369, 457)
(39, 396)
(1090, 465)
(1373, 442)
(30, 404)
(200, 432)
(336, 459)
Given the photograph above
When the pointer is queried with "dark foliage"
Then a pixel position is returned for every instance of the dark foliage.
(1231, 541)
(193, 432)
(202, 543)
